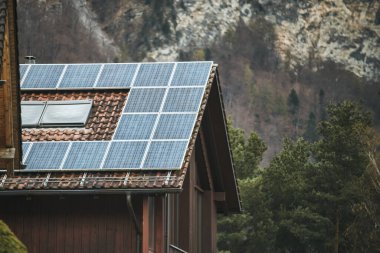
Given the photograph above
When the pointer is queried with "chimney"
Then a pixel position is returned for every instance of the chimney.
(10, 112)
(30, 59)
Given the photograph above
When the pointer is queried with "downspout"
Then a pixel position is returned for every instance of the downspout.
(137, 226)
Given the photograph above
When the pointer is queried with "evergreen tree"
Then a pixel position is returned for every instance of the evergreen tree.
(311, 128)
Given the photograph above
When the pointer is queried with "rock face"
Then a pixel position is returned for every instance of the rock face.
(346, 32)
(310, 32)
(265, 48)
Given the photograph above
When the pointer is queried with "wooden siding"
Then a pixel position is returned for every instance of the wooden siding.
(197, 209)
(10, 127)
(72, 223)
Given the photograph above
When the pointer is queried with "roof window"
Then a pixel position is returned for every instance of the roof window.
(70, 113)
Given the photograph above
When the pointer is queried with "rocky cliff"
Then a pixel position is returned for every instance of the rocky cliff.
(326, 50)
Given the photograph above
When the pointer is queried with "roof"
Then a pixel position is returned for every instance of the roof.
(105, 116)
(101, 124)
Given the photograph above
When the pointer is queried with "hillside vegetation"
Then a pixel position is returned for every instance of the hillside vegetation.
(318, 51)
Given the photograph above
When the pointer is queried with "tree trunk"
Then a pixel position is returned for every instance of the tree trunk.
(336, 240)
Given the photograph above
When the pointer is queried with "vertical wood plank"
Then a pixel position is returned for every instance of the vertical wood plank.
(159, 247)
(145, 225)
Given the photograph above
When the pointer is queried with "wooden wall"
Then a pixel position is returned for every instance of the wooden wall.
(71, 224)
(197, 211)
(10, 113)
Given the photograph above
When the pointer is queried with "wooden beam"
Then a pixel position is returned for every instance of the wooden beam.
(145, 226)
(7, 153)
(159, 226)
(206, 158)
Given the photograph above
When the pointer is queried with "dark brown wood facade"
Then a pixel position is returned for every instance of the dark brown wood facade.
(10, 127)
(85, 223)
(103, 223)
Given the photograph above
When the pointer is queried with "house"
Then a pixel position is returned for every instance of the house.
(129, 157)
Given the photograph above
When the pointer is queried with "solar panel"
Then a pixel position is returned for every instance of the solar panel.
(154, 74)
(46, 155)
(43, 76)
(81, 75)
(183, 100)
(25, 148)
(85, 155)
(135, 127)
(116, 75)
(165, 155)
(175, 126)
(124, 155)
(191, 74)
(154, 129)
(145, 100)
(22, 70)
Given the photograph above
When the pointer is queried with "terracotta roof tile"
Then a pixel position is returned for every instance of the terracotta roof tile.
(105, 113)
(96, 130)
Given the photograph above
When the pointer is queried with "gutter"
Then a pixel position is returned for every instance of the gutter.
(137, 225)
(88, 191)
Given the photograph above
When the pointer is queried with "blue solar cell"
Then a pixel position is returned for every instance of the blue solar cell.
(154, 74)
(135, 127)
(43, 76)
(23, 69)
(125, 155)
(175, 126)
(46, 155)
(25, 148)
(165, 155)
(191, 74)
(117, 75)
(83, 75)
(145, 100)
(85, 155)
(183, 100)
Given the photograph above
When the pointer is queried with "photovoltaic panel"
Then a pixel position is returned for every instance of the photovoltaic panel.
(165, 155)
(191, 74)
(23, 69)
(116, 75)
(25, 148)
(46, 155)
(81, 75)
(85, 155)
(43, 76)
(183, 100)
(154, 74)
(175, 126)
(145, 100)
(125, 154)
(135, 127)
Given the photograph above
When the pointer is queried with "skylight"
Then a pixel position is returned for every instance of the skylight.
(72, 113)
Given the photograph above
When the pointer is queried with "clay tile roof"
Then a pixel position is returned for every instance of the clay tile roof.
(101, 126)
(105, 113)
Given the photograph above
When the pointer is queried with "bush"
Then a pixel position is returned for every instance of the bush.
(9, 242)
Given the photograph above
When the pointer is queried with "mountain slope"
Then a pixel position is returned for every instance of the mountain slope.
(325, 50)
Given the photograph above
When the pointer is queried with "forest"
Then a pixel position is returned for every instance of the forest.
(318, 194)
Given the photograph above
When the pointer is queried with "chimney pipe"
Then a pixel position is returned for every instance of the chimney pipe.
(30, 59)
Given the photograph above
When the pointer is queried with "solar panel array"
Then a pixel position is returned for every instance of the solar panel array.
(156, 124)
